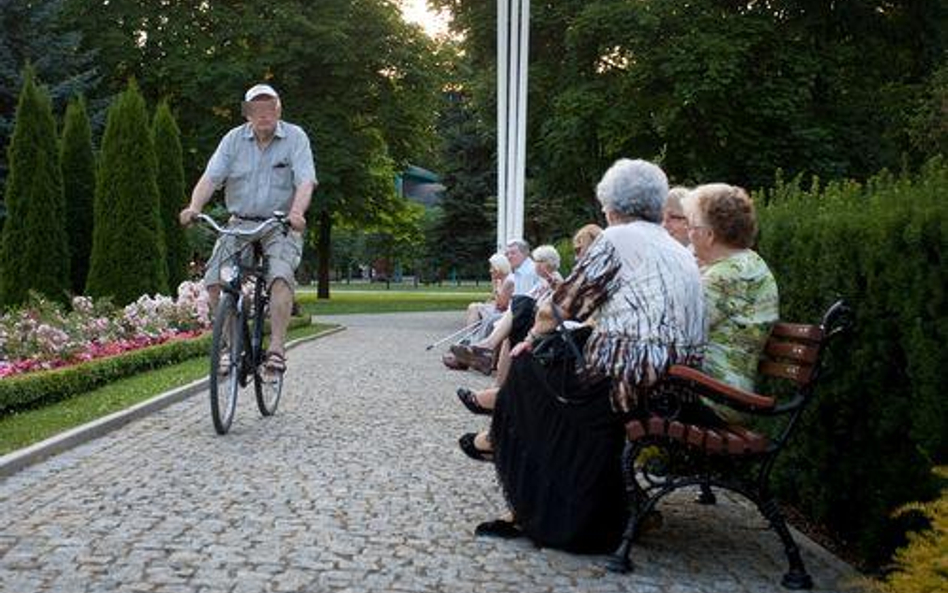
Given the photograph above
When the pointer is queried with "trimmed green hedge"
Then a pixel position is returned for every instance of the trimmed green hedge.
(880, 420)
(45, 387)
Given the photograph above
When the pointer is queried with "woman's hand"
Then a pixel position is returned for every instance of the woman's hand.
(524, 346)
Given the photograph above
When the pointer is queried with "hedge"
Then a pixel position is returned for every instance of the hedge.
(880, 421)
(45, 387)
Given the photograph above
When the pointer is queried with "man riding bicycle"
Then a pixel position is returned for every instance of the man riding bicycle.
(264, 165)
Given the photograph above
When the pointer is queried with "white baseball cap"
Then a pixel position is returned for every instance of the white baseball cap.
(258, 90)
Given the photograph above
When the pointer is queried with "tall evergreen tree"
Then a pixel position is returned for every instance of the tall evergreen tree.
(171, 191)
(128, 250)
(33, 249)
(78, 166)
(463, 237)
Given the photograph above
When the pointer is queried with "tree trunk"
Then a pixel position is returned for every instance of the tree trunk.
(322, 250)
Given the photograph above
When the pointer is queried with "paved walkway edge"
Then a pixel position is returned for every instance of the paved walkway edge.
(21, 458)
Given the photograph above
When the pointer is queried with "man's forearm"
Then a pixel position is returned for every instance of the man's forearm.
(201, 194)
(302, 197)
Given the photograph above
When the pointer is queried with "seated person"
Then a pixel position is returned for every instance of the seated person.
(741, 297)
(673, 216)
(480, 354)
(502, 287)
(481, 316)
(558, 460)
(583, 238)
(482, 402)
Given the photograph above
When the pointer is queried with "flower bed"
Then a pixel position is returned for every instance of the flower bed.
(42, 335)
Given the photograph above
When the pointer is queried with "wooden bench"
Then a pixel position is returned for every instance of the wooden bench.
(735, 458)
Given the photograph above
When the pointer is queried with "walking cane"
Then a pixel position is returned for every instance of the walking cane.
(470, 329)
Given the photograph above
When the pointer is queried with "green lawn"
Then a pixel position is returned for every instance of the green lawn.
(466, 286)
(25, 428)
(385, 301)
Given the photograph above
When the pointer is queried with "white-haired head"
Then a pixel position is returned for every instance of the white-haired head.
(499, 262)
(634, 189)
(547, 254)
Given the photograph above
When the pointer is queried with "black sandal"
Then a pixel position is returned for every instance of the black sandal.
(498, 528)
(469, 399)
(275, 362)
(467, 445)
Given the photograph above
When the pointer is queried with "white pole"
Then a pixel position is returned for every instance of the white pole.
(513, 127)
(521, 161)
(503, 73)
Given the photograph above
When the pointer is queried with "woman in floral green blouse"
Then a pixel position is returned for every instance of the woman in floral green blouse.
(740, 291)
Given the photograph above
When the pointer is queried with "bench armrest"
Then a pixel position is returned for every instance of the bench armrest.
(721, 392)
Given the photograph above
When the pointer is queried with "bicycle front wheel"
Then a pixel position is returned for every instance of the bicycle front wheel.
(268, 385)
(226, 359)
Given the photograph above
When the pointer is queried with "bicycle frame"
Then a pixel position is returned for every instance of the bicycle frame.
(261, 294)
(261, 297)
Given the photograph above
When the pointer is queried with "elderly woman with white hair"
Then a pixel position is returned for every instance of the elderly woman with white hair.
(557, 433)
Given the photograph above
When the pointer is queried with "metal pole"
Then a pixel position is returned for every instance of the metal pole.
(503, 73)
(513, 127)
(521, 161)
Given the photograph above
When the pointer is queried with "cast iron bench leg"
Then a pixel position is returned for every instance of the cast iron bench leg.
(796, 577)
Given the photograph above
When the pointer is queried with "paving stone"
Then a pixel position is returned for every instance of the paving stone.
(355, 485)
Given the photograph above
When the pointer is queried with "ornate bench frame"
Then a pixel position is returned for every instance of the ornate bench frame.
(735, 458)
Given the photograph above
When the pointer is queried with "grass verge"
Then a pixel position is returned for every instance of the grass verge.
(21, 429)
(373, 301)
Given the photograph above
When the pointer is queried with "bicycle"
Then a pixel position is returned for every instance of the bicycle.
(233, 363)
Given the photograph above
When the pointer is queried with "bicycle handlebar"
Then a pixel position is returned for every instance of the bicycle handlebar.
(278, 217)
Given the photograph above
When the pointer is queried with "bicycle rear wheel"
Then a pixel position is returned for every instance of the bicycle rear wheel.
(226, 360)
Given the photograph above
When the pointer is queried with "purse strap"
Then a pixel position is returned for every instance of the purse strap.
(576, 351)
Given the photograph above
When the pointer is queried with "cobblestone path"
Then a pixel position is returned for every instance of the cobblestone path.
(355, 485)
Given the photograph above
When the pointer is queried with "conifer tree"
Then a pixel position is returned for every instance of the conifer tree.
(78, 163)
(33, 248)
(171, 189)
(128, 251)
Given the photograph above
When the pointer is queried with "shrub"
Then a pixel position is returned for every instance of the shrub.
(33, 249)
(128, 250)
(922, 565)
(78, 166)
(879, 422)
(171, 191)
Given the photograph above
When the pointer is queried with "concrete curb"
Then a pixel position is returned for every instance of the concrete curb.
(21, 458)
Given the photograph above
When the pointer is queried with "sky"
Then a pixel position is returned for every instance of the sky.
(416, 11)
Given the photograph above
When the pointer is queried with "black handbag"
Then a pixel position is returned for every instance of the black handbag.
(561, 352)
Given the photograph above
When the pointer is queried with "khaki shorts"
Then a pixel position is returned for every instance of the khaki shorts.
(283, 253)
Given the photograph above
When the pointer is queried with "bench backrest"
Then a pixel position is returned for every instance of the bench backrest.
(792, 352)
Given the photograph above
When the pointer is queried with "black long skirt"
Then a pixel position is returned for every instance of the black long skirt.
(559, 464)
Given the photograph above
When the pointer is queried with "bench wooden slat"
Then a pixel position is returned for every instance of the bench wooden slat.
(656, 426)
(635, 430)
(714, 441)
(797, 331)
(695, 436)
(795, 372)
(754, 442)
(792, 351)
